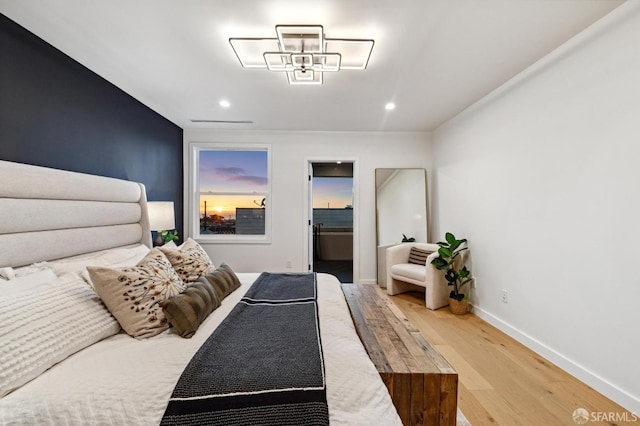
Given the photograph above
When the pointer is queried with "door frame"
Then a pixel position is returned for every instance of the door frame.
(307, 244)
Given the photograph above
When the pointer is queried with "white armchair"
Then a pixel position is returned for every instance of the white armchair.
(403, 276)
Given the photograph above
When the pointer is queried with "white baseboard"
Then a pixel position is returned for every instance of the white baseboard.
(606, 388)
(368, 281)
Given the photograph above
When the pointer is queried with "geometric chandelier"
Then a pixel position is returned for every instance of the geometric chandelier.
(303, 53)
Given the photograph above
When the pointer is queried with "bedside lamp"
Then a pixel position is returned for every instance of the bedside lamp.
(161, 218)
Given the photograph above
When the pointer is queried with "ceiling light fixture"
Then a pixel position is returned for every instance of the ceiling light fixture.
(225, 103)
(303, 53)
(389, 106)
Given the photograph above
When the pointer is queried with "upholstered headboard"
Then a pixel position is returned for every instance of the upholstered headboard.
(48, 214)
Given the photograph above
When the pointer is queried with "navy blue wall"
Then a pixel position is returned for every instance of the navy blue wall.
(55, 112)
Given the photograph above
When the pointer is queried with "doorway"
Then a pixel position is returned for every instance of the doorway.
(332, 209)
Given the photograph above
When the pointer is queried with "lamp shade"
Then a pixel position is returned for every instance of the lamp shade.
(161, 216)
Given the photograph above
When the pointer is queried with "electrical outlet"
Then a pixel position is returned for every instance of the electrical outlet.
(505, 296)
(289, 264)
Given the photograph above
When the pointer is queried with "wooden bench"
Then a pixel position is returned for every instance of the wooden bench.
(422, 384)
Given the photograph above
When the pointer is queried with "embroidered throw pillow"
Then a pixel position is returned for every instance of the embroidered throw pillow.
(133, 294)
(223, 280)
(418, 256)
(187, 310)
(189, 260)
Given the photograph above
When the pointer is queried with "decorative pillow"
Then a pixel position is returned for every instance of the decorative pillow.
(187, 310)
(117, 258)
(133, 294)
(418, 256)
(189, 260)
(236, 281)
(42, 324)
(223, 280)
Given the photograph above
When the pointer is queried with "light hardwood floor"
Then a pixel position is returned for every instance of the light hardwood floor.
(500, 380)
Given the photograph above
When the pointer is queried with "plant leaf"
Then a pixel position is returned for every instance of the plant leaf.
(458, 296)
(444, 252)
(450, 237)
(439, 263)
(450, 275)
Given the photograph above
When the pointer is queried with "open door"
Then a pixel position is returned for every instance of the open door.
(332, 220)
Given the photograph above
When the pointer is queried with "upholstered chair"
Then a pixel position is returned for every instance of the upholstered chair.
(403, 275)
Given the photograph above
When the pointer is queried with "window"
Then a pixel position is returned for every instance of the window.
(231, 197)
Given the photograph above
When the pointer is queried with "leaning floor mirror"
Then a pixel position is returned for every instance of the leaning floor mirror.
(401, 210)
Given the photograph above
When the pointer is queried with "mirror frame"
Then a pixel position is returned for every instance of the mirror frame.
(386, 174)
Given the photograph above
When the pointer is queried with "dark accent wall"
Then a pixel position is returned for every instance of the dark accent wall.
(55, 112)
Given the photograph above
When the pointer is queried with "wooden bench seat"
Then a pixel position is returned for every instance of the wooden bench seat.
(422, 384)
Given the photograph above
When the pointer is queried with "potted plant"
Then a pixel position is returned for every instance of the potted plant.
(169, 236)
(448, 260)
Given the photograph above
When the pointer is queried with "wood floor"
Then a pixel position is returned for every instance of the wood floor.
(500, 380)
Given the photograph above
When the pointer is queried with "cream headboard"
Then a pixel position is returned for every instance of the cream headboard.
(48, 214)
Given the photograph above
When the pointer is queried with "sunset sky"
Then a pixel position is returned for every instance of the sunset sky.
(240, 172)
(333, 192)
(242, 176)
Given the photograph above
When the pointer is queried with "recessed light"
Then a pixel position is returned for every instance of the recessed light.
(389, 106)
(225, 103)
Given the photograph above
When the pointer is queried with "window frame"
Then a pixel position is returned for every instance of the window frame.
(194, 194)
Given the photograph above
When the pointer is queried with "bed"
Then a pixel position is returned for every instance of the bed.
(57, 229)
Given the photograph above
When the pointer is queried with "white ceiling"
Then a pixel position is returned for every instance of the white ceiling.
(433, 58)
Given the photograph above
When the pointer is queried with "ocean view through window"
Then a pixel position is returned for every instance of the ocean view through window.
(332, 192)
(232, 188)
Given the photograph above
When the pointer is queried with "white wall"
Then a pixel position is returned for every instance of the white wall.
(543, 178)
(290, 153)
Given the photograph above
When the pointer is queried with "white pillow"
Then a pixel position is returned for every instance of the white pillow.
(109, 257)
(32, 269)
(42, 324)
(125, 256)
(117, 259)
(24, 283)
(7, 273)
(170, 244)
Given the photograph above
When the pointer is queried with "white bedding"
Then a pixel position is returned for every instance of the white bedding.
(125, 381)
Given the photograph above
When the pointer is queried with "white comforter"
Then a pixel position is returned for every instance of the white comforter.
(124, 381)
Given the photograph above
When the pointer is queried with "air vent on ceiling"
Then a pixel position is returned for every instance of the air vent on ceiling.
(224, 121)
